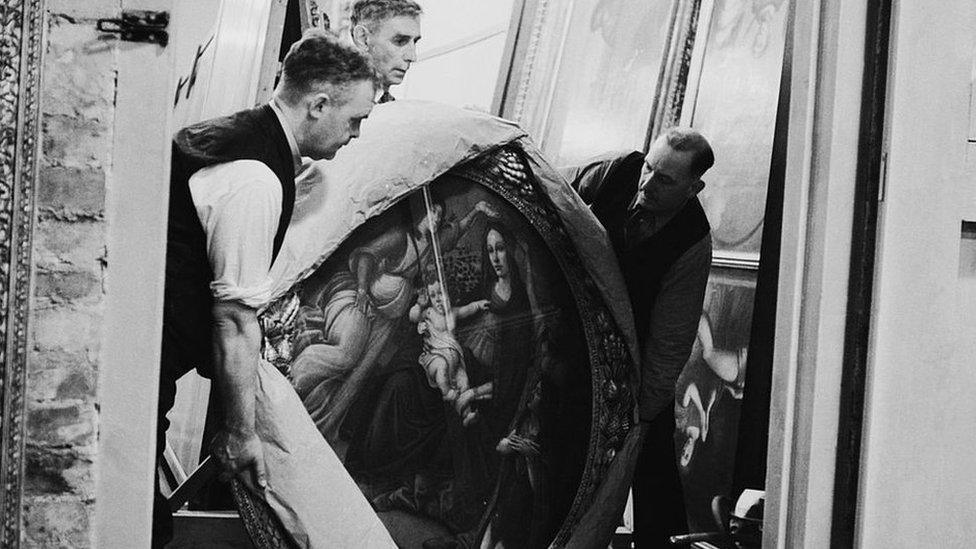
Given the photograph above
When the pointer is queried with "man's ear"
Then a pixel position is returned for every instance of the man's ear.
(318, 103)
(360, 36)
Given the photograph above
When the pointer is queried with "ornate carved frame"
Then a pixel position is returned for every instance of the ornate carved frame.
(21, 29)
(611, 369)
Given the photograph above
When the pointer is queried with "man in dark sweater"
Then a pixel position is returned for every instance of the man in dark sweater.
(232, 191)
(662, 240)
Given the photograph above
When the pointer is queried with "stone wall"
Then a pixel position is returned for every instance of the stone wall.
(78, 95)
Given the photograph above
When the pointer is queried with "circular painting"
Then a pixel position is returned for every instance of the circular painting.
(457, 358)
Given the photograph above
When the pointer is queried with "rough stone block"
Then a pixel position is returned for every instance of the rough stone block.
(79, 71)
(66, 328)
(58, 243)
(74, 141)
(61, 424)
(60, 375)
(58, 522)
(68, 285)
(58, 472)
(72, 190)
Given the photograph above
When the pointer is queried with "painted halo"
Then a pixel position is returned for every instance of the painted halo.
(461, 362)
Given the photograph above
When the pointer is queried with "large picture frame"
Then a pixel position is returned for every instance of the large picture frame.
(21, 25)
(528, 435)
(725, 82)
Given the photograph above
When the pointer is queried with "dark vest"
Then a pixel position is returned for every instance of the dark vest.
(254, 134)
(644, 264)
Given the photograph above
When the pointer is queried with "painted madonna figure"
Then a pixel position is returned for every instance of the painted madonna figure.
(452, 321)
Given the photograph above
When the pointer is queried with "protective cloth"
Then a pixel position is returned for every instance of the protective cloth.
(405, 145)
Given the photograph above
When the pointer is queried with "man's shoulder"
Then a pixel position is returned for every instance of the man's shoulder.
(612, 169)
(238, 128)
(602, 162)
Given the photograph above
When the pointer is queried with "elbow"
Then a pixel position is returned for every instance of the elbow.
(235, 319)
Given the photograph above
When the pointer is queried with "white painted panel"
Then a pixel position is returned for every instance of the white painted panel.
(917, 483)
(230, 70)
(136, 214)
(827, 62)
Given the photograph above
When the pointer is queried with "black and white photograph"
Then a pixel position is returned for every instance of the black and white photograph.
(487, 274)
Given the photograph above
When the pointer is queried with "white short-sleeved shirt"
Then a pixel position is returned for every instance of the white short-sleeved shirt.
(239, 205)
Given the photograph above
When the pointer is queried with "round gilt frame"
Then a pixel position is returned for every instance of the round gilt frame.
(611, 366)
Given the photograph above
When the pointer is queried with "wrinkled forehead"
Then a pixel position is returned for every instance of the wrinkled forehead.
(407, 26)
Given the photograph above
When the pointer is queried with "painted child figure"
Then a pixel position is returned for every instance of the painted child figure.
(442, 357)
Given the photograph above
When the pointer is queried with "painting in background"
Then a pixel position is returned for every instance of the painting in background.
(733, 103)
(709, 393)
(731, 97)
(589, 76)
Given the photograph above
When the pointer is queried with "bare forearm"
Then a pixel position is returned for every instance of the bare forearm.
(237, 344)
(468, 310)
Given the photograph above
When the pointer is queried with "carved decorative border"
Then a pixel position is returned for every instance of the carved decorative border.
(21, 26)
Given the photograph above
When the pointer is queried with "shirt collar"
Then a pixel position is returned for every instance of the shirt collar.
(289, 134)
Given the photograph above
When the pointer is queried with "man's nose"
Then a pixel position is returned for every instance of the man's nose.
(645, 182)
(410, 54)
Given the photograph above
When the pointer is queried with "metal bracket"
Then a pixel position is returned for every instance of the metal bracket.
(138, 26)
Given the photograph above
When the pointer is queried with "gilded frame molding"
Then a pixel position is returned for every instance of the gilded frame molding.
(21, 29)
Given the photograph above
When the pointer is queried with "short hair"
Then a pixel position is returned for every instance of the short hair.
(687, 139)
(370, 13)
(319, 58)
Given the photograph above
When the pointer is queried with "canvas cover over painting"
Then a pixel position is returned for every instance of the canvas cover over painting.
(457, 354)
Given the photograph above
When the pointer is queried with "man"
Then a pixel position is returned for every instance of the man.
(231, 198)
(387, 31)
(662, 240)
